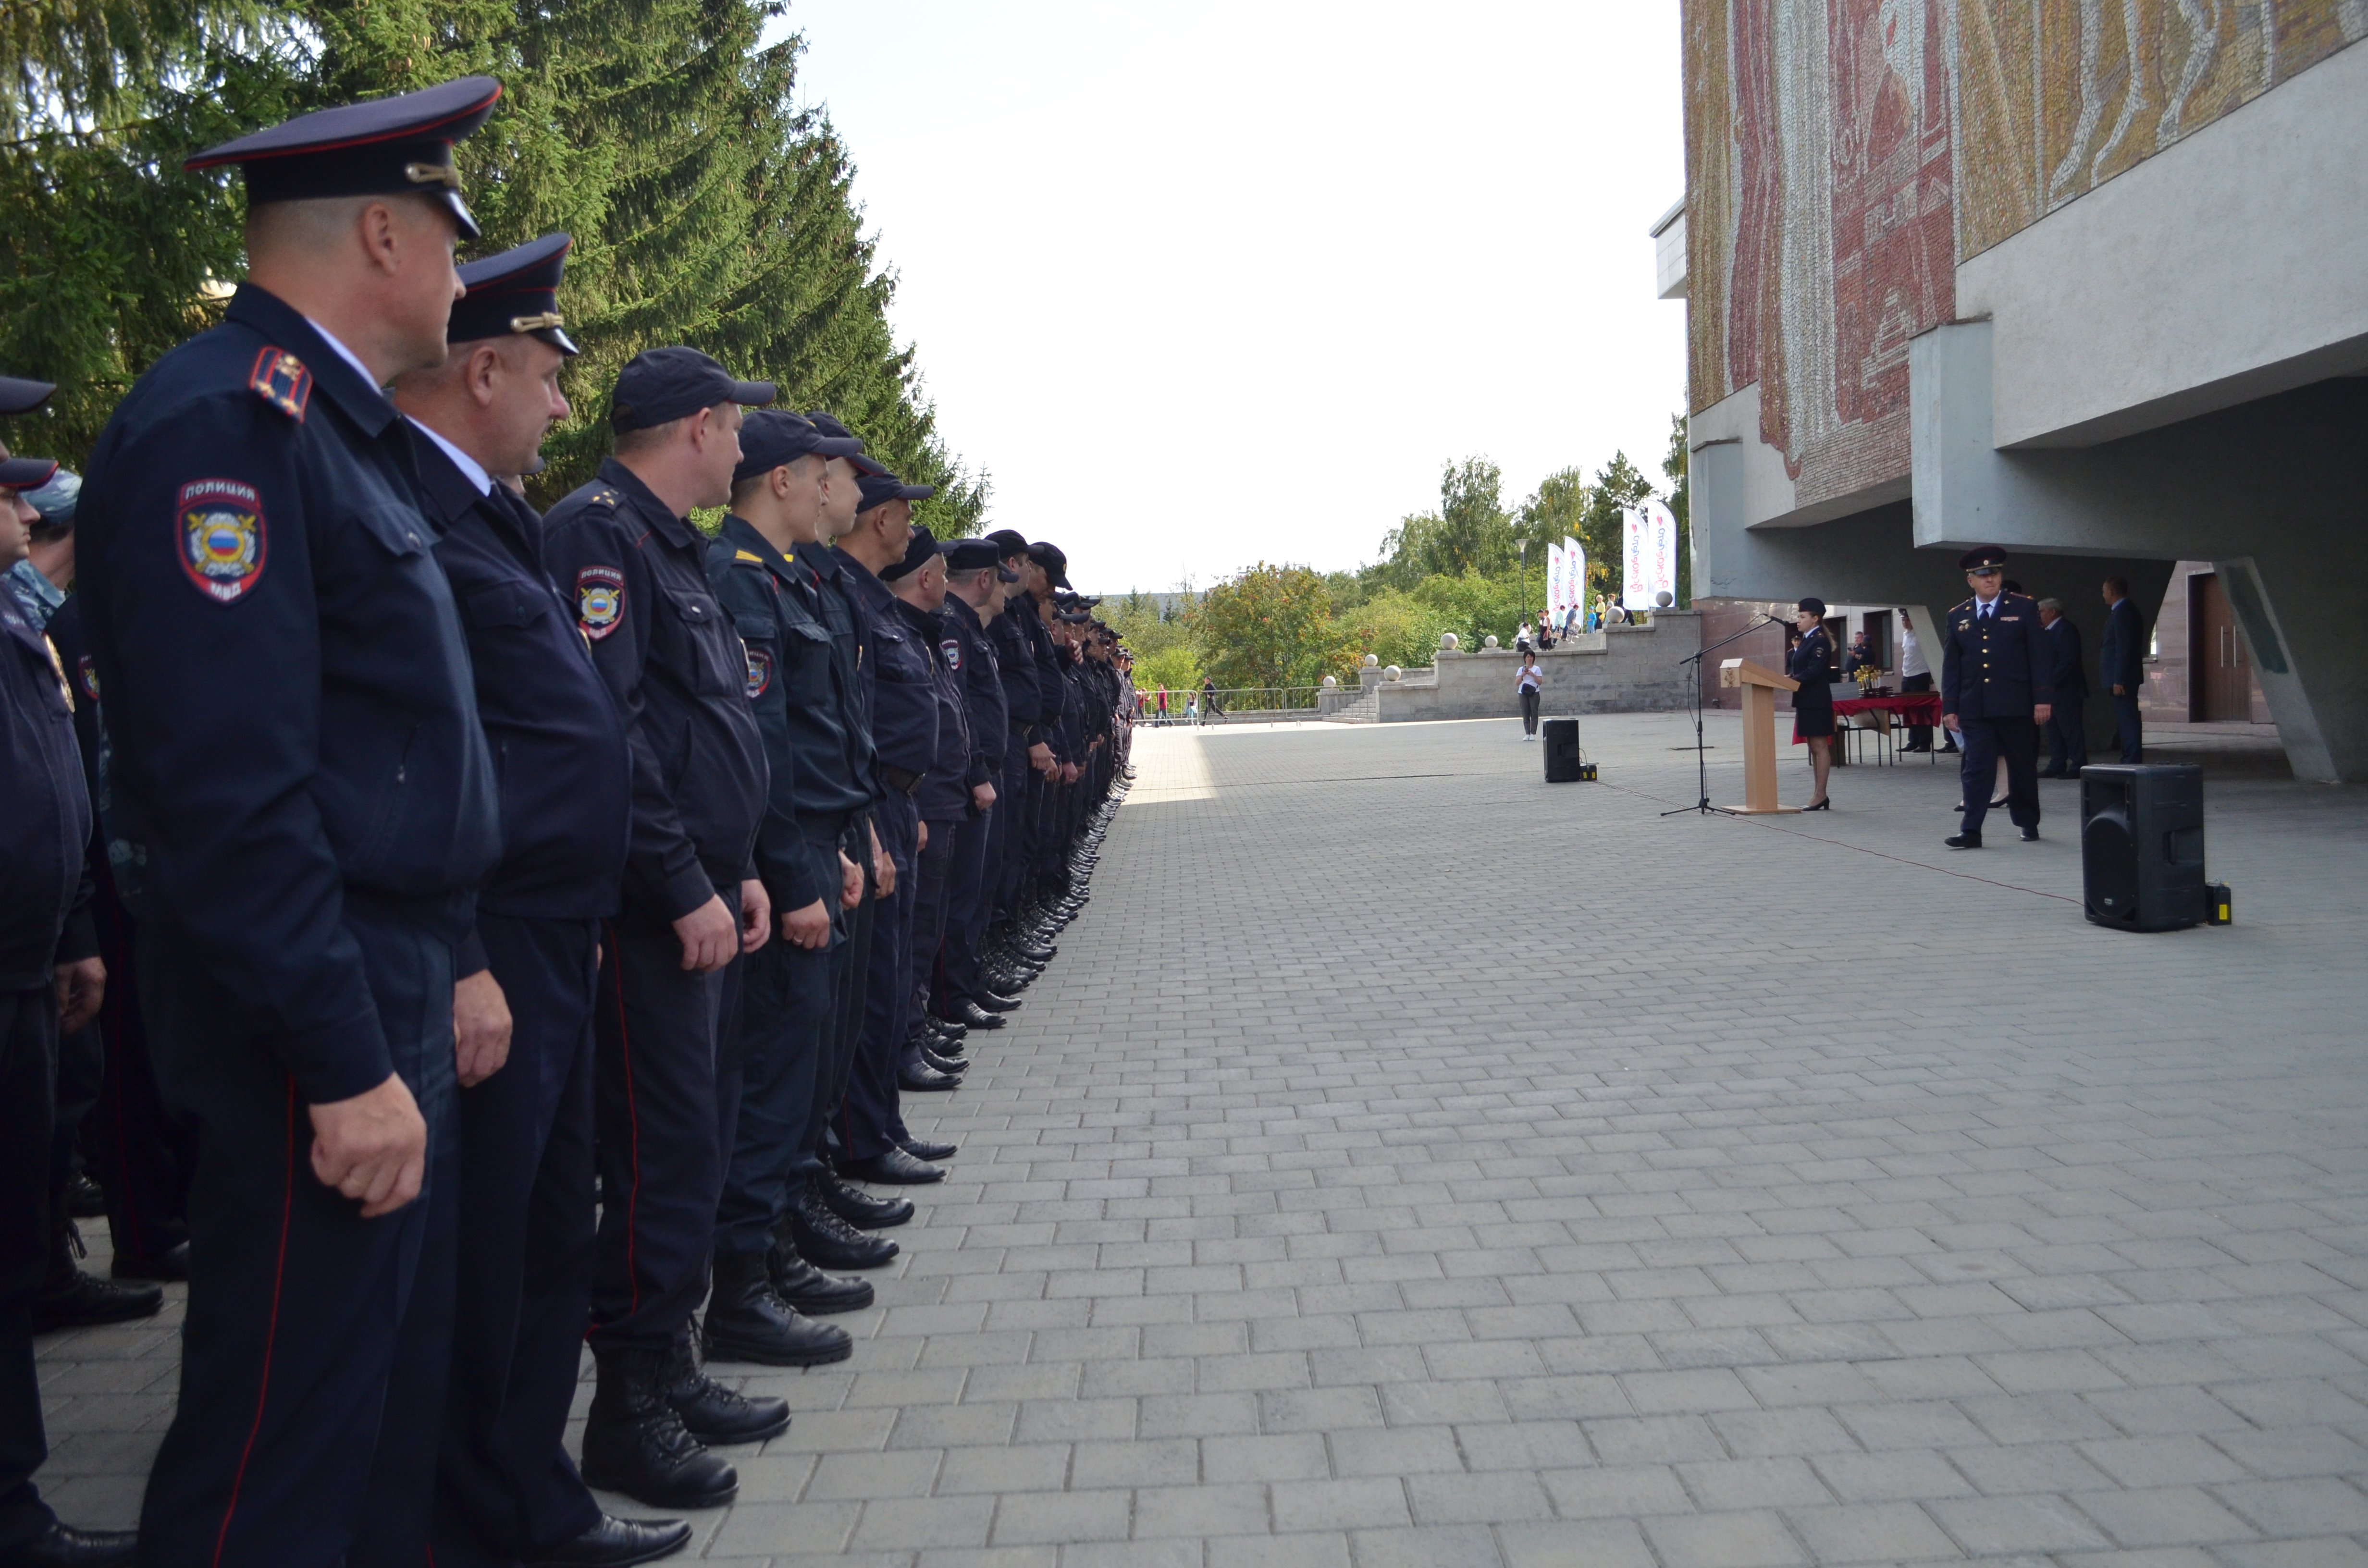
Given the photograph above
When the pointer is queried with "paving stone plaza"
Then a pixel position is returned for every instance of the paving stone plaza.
(1408, 1161)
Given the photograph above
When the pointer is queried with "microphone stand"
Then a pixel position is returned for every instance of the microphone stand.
(1701, 806)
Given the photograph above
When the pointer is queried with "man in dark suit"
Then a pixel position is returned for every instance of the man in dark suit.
(1997, 689)
(2067, 743)
(2118, 655)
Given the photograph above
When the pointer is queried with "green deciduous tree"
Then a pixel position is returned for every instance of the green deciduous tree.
(1268, 626)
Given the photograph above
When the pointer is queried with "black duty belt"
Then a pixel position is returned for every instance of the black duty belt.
(903, 783)
(1025, 731)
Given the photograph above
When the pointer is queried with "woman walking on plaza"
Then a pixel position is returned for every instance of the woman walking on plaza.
(1812, 664)
(1532, 680)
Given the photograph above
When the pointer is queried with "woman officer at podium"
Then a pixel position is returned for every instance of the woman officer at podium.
(1811, 662)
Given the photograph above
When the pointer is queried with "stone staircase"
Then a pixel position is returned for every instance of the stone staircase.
(1366, 708)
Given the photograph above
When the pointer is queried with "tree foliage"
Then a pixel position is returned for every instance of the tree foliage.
(708, 207)
(1268, 626)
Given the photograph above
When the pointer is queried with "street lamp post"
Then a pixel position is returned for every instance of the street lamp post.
(1523, 545)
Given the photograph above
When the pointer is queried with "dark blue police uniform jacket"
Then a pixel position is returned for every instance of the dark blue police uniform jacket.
(2070, 680)
(1051, 682)
(1998, 667)
(288, 686)
(834, 576)
(560, 758)
(903, 693)
(2121, 651)
(1016, 664)
(804, 706)
(680, 675)
(45, 828)
(944, 795)
(982, 690)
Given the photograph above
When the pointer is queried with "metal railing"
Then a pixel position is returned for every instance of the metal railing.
(1231, 704)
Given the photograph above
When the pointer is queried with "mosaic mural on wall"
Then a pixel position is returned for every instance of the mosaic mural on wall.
(1843, 155)
(2060, 95)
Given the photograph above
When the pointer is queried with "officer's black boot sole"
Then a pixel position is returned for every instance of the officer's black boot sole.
(679, 1490)
(617, 1543)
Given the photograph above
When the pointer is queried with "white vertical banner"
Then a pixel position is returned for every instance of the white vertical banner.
(1660, 552)
(1573, 555)
(1554, 579)
(1635, 593)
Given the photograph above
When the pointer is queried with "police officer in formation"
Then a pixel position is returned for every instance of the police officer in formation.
(482, 851)
(1997, 686)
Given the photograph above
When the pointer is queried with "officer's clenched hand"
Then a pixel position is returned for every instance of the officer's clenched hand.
(1069, 771)
(850, 882)
(2041, 711)
(923, 841)
(1040, 758)
(372, 1148)
(481, 1028)
(1950, 721)
(883, 869)
(709, 936)
(755, 915)
(82, 986)
(982, 796)
(810, 928)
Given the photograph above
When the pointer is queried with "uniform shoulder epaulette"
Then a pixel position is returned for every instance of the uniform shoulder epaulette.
(280, 380)
(748, 555)
(604, 496)
(1963, 604)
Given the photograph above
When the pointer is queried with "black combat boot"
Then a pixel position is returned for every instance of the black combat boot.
(812, 1291)
(635, 1443)
(745, 1322)
(712, 1412)
(71, 1298)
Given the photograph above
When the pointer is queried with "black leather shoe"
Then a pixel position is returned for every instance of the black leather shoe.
(951, 1067)
(636, 1443)
(947, 1029)
(949, 1046)
(173, 1263)
(617, 1543)
(860, 1208)
(62, 1546)
(71, 1298)
(918, 1078)
(922, 1148)
(713, 1414)
(1963, 841)
(2030, 835)
(825, 1240)
(2052, 773)
(995, 1003)
(1035, 953)
(976, 1017)
(812, 1291)
(84, 1198)
(745, 1322)
(894, 1168)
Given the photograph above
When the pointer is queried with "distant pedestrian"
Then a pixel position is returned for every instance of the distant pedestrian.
(2119, 653)
(2067, 740)
(1915, 675)
(1530, 679)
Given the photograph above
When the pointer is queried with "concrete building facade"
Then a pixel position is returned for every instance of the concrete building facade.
(2078, 279)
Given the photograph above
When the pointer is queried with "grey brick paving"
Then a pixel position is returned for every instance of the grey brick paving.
(1409, 1163)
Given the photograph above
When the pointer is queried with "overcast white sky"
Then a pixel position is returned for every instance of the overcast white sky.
(1205, 283)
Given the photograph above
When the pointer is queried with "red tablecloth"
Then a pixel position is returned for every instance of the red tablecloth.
(1916, 707)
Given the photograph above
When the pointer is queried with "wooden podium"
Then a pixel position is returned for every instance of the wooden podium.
(1759, 686)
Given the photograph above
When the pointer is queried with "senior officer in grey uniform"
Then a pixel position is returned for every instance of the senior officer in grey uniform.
(905, 730)
(949, 794)
(49, 965)
(666, 1075)
(507, 1491)
(818, 755)
(308, 810)
(1997, 689)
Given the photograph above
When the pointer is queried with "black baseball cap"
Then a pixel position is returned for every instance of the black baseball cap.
(19, 395)
(27, 473)
(1011, 541)
(659, 385)
(917, 551)
(771, 437)
(381, 147)
(830, 425)
(1055, 564)
(970, 554)
(879, 489)
(515, 292)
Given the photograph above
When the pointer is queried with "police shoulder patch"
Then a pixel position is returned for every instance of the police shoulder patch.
(760, 672)
(280, 380)
(220, 533)
(599, 601)
(89, 674)
(951, 648)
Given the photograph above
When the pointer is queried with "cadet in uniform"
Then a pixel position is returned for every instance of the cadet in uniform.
(946, 799)
(818, 755)
(667, 1072)
(507, 1490)
(49, 967)
(904, 731)
(975, 582)
(309, 810)
(1996, 690)
(1012, 958)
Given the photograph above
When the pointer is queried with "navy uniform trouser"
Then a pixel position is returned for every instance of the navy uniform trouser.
(318, 1343)
(2067, 738)
(506, 1488)
(666, 1096)
(1009, 851)
(850, 969)
(2130, 727)
(29, 1043)
(140, 1157)
(933, 894)
(785, 1024)
(868, 1119)
(1987, 740)
(966, 910)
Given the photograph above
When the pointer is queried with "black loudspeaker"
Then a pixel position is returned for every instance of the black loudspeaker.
(1561, 750)
(2141, 845)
